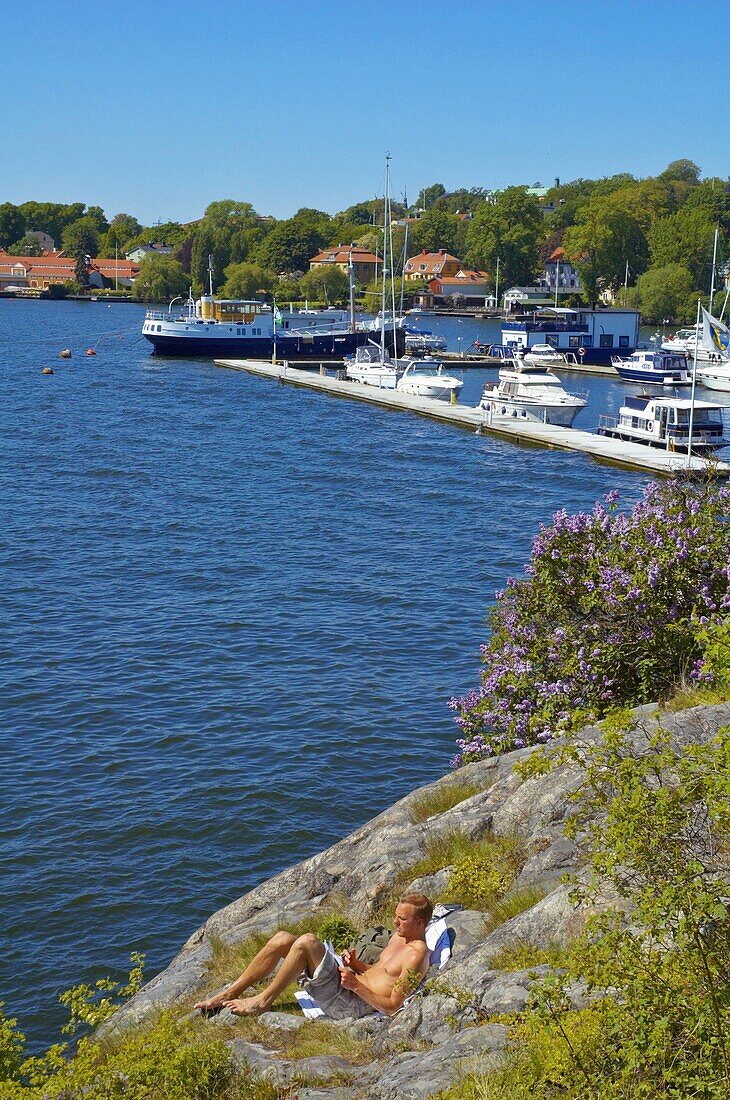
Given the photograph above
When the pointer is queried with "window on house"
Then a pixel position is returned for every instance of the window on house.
(574, 341)
(606, 340)
(623, 341)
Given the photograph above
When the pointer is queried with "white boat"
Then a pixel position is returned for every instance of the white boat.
(665, 421)
(424, 341)
(533, 392)
(372, 366)
(544, 355)
(708, 340)
(715, 376)
(426, 378)
(653, 367)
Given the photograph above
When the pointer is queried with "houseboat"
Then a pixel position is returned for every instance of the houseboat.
(665, 422)
(593, 335)
(241, 329)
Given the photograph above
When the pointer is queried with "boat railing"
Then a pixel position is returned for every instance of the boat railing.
(607, 422)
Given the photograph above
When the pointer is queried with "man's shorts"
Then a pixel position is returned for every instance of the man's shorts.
(335, 1001)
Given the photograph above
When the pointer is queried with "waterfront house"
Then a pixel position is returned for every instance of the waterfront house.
(364, 263)
(466, 284)
(137, 254)
(432, 265)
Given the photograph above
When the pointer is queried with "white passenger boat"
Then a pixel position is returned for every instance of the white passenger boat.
(424, 341)
(426, 378)
(653, 367)
(665, 422)
(544, 355)
(715, 376)
(373, 366)
(533, 392)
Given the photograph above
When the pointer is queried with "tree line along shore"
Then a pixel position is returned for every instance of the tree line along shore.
(645, 243)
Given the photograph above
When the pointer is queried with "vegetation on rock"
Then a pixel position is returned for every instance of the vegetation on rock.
(614, 609)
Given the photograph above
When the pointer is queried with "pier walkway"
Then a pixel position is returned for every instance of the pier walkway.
(634, 455)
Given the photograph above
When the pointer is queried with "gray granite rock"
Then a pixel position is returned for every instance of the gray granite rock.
(362, 868)
(417, 1075)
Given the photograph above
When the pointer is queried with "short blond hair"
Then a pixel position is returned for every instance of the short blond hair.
(422, 906)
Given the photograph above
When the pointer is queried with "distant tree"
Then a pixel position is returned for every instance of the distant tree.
(81, 241)
(608, 235)
(12, 224)
(223, 211)
(438, 229)
(160, 279)
(510, 228)
(427, 197)
(183, 254)
(359, 214)
(667, 293)
(122, 228)
(686, 171)
(462, 200)
(247, 281)
(685, 238)
(26, 246)
(291, 244)
(98, 217)
(325, 284)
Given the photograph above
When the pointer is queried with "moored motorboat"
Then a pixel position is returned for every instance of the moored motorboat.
(426, 378)
(653, 367)
(533, 392)
(544, 355)
(420, 341)
(372, 366)
(715, 376)
(665, 422)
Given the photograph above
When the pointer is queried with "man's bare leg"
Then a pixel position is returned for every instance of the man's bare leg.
(263, 964)
(305, 953)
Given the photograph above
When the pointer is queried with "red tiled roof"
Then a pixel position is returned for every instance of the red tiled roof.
(430, 260)
(341, 255)
(53, 263)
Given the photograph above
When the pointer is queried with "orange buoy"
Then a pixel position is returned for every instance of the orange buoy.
(65, 354)
(91, 352)
(47, 370)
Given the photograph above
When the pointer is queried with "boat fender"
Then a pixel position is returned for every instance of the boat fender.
(47, 370)
(65, 354)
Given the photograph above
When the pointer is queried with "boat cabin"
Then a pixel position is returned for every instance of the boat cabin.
(595, 334)
(665, 422)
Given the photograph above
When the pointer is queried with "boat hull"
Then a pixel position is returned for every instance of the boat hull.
(314, 346)
(561, 416)
(653, 378)
(718, 379)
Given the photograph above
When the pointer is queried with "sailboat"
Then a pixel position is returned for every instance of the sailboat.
(372, 364)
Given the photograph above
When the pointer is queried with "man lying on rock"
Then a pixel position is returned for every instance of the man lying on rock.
(352, 990)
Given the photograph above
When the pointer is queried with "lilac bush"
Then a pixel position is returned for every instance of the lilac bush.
(611, 611)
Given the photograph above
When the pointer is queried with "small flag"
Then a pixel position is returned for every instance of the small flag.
(715, 334)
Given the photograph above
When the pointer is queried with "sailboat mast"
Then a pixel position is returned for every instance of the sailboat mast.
(714, 264)
(694, 387)
(383, 298)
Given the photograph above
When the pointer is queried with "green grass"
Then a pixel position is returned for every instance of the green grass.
(442, 798)
(522, 956)
(517, 901)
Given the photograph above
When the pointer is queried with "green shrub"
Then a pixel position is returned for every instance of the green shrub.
(340, 931)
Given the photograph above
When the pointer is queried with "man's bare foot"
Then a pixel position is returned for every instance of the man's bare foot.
(248, 1006)
(210, 1006)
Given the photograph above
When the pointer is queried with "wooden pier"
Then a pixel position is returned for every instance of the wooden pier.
(633, 455)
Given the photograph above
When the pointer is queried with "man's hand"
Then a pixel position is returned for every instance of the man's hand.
(351, 961)
(348, 980)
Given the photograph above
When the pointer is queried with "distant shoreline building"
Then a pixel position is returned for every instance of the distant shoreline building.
(364, 263)
(53, 268)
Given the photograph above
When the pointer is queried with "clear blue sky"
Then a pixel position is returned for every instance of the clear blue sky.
(156, 108)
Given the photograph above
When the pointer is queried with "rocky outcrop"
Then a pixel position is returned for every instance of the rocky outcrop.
(440, 1027)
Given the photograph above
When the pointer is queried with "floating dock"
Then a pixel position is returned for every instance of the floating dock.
(634, 455)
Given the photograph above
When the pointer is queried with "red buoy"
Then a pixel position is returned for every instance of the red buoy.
(91, 352)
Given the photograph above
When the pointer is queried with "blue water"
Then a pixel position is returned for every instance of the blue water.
(231, 616)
